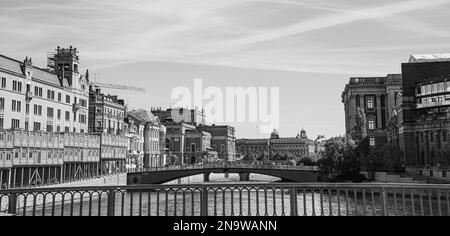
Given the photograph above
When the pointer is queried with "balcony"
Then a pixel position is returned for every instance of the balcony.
(28, 96)
(76, 107)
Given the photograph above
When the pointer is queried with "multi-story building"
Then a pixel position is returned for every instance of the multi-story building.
(197, 145)
(190, 116)
(49, 100)
(134, 131)
(422, 121)
(223, 140)
(113, 152)
(106, 112)
(28, 158)
(175, 141)
(376, 98)
(296, 147)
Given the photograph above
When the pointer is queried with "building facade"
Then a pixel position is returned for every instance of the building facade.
(372, 98)
(106, 112)
(197, 145)
(422, 121)
(190, 116)
(50, 100)
(297, 148)
(134, 131)
(223, 140)
(176, 141)
(113, 153)
(152, 129)
(30, 158)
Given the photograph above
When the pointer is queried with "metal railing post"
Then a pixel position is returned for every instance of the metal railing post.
(293, 197)
(12, 206)
(204, 202)
(111, 203)
(384, 210)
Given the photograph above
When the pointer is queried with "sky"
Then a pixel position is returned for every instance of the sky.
(307, 48)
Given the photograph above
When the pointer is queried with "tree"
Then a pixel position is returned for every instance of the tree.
(444, 156)
(392, 158)
(339, 158)
(361, 124)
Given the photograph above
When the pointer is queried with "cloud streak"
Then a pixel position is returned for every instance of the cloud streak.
(261, 34)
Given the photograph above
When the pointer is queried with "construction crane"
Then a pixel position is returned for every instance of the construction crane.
(116, 86)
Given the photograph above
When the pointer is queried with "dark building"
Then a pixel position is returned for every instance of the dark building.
(422, 122)
(223, 140)
(376, 99)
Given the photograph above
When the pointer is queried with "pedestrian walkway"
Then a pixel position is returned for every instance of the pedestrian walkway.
(110, 180)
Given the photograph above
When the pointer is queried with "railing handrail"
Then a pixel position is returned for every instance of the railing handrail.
(238, 185)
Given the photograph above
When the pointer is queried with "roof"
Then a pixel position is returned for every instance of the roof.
(15, 66)
(423, 58)
(144, 115)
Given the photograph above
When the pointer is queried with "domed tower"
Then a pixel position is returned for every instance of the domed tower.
(303, 134)
(275, 134)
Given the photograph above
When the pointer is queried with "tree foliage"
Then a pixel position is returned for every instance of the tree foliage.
(392, 158)
(361, 124)
(339, 157)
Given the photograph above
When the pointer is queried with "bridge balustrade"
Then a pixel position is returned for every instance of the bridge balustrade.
(232, 200)
(223, 165)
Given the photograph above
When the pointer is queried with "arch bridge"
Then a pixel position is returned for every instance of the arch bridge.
(160, 175)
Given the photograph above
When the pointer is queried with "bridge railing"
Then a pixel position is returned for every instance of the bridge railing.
(223, 165)
(232, 200)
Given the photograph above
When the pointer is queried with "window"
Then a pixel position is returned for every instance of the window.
(444, 135)
(83, 103)
(372, 141)
(36, 126)
(59, 114)
(26, 125)
(3, 82)
(59, 97)
(49, 112)
(49, 128)
(444, 174)
(2, 104)
(16, 106)
(1, 122)
(15, 124)
(38, 110)
(67, 116)
(37, 91)
(82, 119)
(371, 124)
(370, 103)
(27, 108)
(67, 99)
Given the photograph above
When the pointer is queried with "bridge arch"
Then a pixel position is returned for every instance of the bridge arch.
(164, 176)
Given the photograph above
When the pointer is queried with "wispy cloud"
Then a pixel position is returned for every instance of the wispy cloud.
(262, 34)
